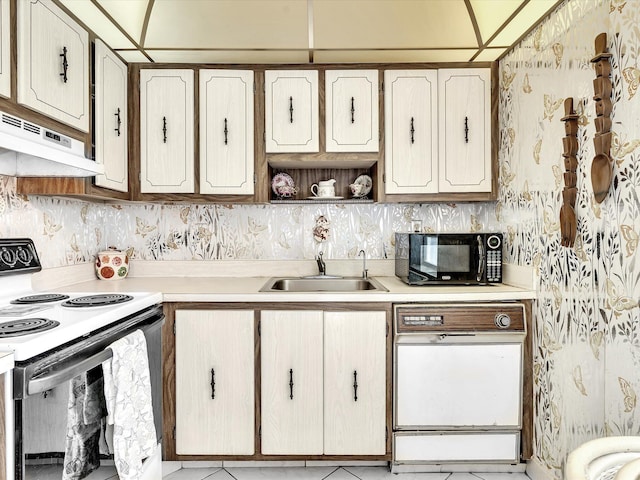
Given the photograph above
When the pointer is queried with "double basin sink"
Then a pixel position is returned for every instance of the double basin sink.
(322, 283)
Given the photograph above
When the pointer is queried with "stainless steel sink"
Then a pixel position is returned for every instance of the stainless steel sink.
(322, 284)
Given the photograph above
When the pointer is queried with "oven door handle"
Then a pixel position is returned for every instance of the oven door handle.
(55, 377)
(47, 382)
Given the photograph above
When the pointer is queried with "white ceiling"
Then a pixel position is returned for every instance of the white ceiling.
(309, 31)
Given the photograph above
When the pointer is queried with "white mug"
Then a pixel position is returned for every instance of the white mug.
(323, 190)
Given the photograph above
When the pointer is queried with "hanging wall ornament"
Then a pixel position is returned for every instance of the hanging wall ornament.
(321, 229)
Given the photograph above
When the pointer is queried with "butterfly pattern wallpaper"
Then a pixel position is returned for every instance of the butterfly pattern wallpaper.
(68, 232)
(586, 334)
(587, 320)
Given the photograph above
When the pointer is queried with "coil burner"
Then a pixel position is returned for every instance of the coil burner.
(40, 298)
(97, 300)
(17, 328)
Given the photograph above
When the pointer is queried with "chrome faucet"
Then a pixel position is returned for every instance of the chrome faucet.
(322, 268)
(364, 263)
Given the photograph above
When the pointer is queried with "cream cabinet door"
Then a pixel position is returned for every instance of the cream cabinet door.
(351, 110)
(226, 132)
(53, 63)
(111, 124)
(411, 131)
(5, 49)
(465, 130)
(166, 131)
(215, 368)
(291, 382)
(355, 383)
(291, 111)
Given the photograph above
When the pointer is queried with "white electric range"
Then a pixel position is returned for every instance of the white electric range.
(32, 323)
(54, 338)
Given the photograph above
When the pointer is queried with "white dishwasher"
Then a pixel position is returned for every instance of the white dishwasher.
(458, 383)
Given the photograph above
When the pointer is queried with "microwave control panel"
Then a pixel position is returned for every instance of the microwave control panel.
(494, 259)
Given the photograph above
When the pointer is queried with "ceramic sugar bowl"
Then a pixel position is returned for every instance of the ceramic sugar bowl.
(113, 264)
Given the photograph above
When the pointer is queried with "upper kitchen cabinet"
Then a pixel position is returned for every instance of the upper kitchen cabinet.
(438, 134)
(226, 132)
(464, 117)
(166, 131)
(53, 63)
(411, 131)
(111, 125)
(291, 111)
(5, 49)
(351, 110)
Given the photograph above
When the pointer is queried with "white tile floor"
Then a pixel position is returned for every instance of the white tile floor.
(322, 473)
(196, 471)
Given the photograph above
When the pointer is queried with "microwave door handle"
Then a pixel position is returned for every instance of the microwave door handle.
(481, 259)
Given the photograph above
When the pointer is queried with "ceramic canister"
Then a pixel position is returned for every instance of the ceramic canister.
(113, 264)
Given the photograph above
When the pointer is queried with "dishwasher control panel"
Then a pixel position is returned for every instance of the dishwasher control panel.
(459, 317)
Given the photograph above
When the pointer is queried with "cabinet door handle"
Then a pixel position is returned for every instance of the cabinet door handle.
(213, 384)
(353, 110)
(65, 64)
(226, 131)
(466, 129)
(118, 121)
(412, 130)
(164, 129)
(290, 109)
(355, 385)
(291, 383)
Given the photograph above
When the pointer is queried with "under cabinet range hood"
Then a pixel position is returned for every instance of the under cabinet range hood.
(29, 150)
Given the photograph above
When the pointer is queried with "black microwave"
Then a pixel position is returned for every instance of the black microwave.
(449, 258)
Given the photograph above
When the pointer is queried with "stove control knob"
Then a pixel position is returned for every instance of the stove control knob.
(502, 320)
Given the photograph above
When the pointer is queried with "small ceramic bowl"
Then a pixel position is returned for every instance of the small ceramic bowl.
(113, 264)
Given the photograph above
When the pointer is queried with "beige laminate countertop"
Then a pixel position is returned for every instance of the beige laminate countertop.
(6, 361)
(247, 289)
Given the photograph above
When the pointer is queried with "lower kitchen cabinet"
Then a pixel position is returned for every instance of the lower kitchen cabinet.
(291, 362)
(323, 382)
(354, 383)
(215, 401)
(264, 381)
